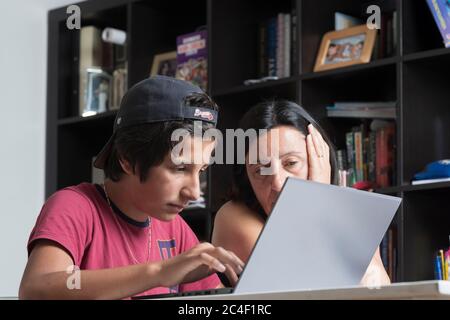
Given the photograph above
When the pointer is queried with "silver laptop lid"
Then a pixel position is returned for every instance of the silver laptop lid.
(318, 236)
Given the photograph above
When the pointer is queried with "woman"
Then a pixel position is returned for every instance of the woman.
(304, 151)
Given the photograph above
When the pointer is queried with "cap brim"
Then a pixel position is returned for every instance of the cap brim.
(101, 158)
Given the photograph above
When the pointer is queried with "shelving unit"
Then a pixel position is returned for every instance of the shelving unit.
(415, 76)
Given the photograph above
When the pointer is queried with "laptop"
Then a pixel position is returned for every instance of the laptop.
(317, 236)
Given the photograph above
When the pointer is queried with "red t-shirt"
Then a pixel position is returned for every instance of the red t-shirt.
(97, 237)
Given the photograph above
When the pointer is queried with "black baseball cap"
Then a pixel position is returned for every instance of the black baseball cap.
(156, 99)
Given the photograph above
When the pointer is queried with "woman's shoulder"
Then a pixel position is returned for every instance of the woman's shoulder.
(236, 228)
(237, 212)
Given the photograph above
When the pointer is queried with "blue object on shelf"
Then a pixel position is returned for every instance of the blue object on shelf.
(435, 170)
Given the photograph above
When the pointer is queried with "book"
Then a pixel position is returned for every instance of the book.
(364, 104)
(262, 50)
(386, 113)
(119, 87)
(192, 58)
(280, 46)
(294, 42)
(287, 46)
(384, 158)
(426, 181)
(358, 141)
(349, 142)
(272, 47)
(440, 10)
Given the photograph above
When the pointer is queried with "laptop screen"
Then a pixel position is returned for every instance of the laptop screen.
(318, 236)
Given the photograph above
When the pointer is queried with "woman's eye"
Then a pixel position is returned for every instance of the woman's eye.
(180, 169)
(292, 163)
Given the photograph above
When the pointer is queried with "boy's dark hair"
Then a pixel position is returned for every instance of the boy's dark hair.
(146, 145)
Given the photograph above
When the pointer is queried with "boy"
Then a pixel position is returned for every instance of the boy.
(125, 238)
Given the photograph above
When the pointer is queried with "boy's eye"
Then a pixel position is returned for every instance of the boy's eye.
(180, 168)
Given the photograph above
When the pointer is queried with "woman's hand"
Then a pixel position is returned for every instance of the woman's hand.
(198, 263)
(375, 275)
(319, 168)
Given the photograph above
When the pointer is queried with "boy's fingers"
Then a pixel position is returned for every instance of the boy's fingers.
(212, 262)
(228, 258)
(231, 275)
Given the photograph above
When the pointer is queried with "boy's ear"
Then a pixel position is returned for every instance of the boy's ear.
(126, 166)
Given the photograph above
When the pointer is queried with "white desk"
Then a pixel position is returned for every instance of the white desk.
(439, 290)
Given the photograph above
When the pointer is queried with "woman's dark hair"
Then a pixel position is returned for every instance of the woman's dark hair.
(146, 145)
(268, 115)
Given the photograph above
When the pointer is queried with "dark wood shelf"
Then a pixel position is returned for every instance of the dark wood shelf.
(427, 186)
(426, 54)
(389, 190)
(81, 120)
(350, 69)
(416, 77)
(257, 86)
(413, 188)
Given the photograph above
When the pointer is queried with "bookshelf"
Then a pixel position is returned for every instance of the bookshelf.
(415, 75)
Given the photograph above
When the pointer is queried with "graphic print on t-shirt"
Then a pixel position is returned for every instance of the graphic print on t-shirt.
(167, 250)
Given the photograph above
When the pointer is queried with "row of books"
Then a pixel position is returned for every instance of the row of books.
(381, 110)
(369, 156)
(388, 252)
(277, 43)
(387, 36)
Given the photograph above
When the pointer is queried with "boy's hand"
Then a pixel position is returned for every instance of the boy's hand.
(198, 263)
(319, 168)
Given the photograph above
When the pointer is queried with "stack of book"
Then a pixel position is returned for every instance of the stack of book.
(369, 155)
(381, 110)
(277, 46)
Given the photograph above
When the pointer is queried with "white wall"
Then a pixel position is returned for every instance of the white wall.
(23, 68)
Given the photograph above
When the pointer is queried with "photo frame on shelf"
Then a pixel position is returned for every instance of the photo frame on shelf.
(97, 92)
(345, 47)
(164, 64)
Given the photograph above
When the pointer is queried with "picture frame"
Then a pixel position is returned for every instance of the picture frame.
(345, 47)
(164, 64)
(97, 93)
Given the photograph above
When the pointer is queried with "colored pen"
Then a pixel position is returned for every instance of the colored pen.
(437, 268)
(444, 273)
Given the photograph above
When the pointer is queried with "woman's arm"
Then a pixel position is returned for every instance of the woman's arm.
(236, 228)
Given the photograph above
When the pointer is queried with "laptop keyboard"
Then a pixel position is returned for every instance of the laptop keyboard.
(186, 294)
